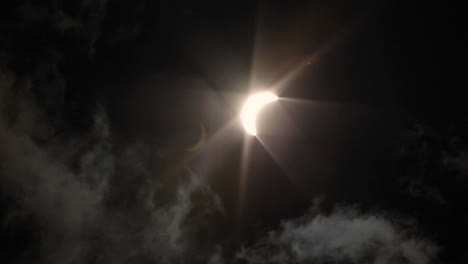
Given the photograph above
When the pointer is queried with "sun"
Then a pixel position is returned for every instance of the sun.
(251, 108)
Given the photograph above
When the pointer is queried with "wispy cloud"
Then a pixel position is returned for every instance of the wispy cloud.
(343, 236)
(90, 201)
(94, 203)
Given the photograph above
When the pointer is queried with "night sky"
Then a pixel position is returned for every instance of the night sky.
(120, 138)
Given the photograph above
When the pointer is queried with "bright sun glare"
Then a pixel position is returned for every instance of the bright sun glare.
(251, 108)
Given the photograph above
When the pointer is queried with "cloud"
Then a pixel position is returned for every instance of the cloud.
(176, 222)
(63, 200)
(457, 162)
(217, 257)
(90, 201)
(343, 236)
(95, 200)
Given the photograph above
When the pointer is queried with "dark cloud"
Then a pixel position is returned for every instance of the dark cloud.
(457, 161)
(420, 167)
(90, 202)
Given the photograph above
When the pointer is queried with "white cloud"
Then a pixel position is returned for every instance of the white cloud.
(342, 236)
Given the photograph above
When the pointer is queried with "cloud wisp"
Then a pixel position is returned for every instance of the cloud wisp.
(343, 236)
(91, 202)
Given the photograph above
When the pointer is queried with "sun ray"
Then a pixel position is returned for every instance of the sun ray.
(242, 189)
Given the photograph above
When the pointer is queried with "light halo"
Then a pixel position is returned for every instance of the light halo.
(251, 108)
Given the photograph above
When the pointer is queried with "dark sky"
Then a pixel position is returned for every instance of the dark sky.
(120, 140)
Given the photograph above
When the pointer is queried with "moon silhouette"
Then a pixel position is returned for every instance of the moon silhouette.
(251, 108)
